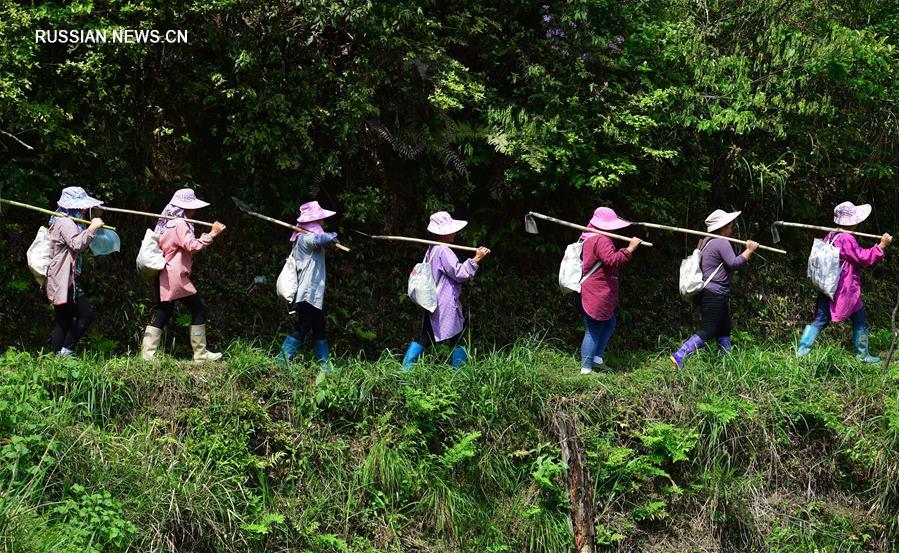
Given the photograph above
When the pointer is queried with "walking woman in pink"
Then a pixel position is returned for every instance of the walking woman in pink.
(179, 244)
(72, 310)
(446, 323)
(847, 300)
(598, 299)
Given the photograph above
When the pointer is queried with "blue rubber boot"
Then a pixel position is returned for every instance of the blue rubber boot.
(861, 347)
(412, 354)
(807, 340)
(724, 343)
(289, 350)
(321, 349)
(690, 346)
(460, 357)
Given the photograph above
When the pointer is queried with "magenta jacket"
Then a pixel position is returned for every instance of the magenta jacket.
(179, 245)
(848, 297)
(599, 293)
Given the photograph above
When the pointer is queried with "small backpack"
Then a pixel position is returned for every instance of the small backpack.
(150, 259)
(421, 288)
(38, 255)
(691, 281)
(824, 265)
(572, 268)
(288, 282)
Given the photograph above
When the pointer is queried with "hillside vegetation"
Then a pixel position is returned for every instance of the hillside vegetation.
(757, 451)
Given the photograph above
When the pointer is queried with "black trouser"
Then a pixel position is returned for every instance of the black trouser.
(426, 338)
(72, 319)
(714, 310)
(164, 310)
(309, 318)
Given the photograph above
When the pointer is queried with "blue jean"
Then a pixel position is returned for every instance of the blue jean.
(595, 339)
(822, 316)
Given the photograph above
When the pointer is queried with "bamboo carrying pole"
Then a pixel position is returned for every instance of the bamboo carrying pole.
(416, 240)
(709, 234)
(53, 213)
(578, 227)
(828, 229)
(154, 215)
(246, 209)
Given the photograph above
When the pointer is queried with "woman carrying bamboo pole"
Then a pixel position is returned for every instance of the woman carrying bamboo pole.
(718, 264)
(446, 323)
(72, 311)
(598, 299)
(847, 300)
(179, 244)
(308, 302)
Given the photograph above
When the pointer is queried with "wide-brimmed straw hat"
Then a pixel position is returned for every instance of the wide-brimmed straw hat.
(74, 197)
(720, 219)
(605, 218)
(186, 198)
(848, 214)
(442, 224)
(311, 211)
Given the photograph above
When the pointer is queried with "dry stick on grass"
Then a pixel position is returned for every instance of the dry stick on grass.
(889, 359)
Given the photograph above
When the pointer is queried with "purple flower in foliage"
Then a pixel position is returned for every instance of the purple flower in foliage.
(585, 56)
(555, 33)
(545, 6)
(547, 18)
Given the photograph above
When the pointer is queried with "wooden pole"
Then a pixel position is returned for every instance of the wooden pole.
(53, 213)
(585, 229)
(246, 209)
(154, 215)
(420, 241)
(709, 234)
(828, 229)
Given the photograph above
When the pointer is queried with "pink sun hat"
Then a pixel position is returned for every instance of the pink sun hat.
(311, 211)
(186, 198)
(443, 224)
(605, 218)
(847, 214)
(74, 197)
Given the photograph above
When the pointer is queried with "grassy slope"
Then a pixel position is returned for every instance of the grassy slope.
(755, 451)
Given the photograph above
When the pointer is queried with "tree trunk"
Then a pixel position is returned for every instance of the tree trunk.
(580, 518)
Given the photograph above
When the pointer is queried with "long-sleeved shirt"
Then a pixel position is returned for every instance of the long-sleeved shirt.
(848, 297)
(449, 274)
(309, 254)
(67, 241)
(718, 251)
(179, 244)
(599, 292)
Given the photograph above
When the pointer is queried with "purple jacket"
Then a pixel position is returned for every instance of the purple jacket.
(719, 251)
(449, 274)
(848, 297)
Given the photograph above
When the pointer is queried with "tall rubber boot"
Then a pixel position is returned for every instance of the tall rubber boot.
(322, 353)
(150, 343)
(413, 352)
(724, 344)
(807, 340)
(198, 343)
(289, 350)
(690, 346)
(861, 347)
(460, 357)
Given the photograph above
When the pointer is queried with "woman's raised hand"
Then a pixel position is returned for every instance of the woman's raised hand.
(217, 228)
(481, 254)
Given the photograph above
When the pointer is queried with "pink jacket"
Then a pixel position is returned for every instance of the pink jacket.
(599, 293)
(848, 297)
(66, 244)
(178, 245)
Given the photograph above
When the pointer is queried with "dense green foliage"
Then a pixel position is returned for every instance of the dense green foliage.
(390, 110)
(758, 451)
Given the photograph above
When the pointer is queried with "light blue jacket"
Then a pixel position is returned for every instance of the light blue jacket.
(309, 254)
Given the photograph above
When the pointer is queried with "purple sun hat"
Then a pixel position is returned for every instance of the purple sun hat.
(186, 198)
(847, 214)
(443, 224)
(74, 197)
(311, 211)
(605, 218)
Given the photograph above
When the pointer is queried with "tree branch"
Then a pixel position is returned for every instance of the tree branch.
(16, 138)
